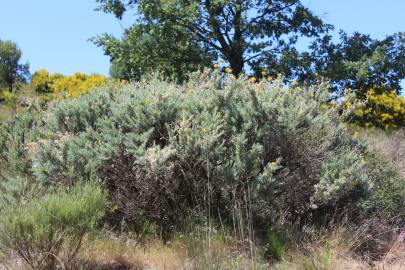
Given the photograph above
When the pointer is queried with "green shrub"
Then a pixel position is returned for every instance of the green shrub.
(16, 144)
(48, 231)
(214, 146)
(276, 244)
(387, 197)
(10, 99)
(342, 174)
(13, 191)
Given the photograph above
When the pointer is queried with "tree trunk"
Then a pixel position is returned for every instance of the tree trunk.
(236, 61)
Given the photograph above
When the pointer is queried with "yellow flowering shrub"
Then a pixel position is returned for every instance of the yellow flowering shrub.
(10, 99)
(42, 81)
(78, 84)
(69, 86)
(386, 110)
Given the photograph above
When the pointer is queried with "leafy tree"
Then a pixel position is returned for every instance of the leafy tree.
(119, 70)
(357, 62)
(177, 36)
(11, 71)
(147, 48)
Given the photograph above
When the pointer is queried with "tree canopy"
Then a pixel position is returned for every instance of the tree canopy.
(255, 36)
(173, 36)
(355, 62)
(11, 70)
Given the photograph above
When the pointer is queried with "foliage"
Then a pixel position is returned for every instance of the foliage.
(16, 144)
(277, 241)
(13, 191)
(70, 86)
(166, 153)
(386, 111)
(42, 81)
(355, 62)
(255, 34)
(11, 70)
(342, 173)
(48, 231)
(173, 37)
(147, 49)
(391, 145)
(78, 84)
(388, 194)
(10, 99)
(120, 71)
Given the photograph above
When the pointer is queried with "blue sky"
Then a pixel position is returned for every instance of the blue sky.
(53, 34)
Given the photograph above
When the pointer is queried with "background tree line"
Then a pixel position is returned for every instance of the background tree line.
(256, 37)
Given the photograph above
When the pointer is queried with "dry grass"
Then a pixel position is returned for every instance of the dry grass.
(185, 252)
(338, 250)
(332, 250)
(154, 255)
(182, 253)
(391, 145)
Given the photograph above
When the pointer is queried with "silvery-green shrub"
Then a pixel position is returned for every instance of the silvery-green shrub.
(168, 152)
(15, 139)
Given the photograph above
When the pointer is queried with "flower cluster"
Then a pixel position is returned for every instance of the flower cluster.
(222, 67)
(386, 110)
(70, 86)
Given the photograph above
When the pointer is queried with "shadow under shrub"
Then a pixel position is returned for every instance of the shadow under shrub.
(47, 232)
(214, 146)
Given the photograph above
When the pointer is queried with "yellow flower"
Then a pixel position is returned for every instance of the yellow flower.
(216, 66)
(221, 59)
(228, 70)
(232, 76)
(253, 79)
(274, 163)
(359, 113)
(264, 73)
